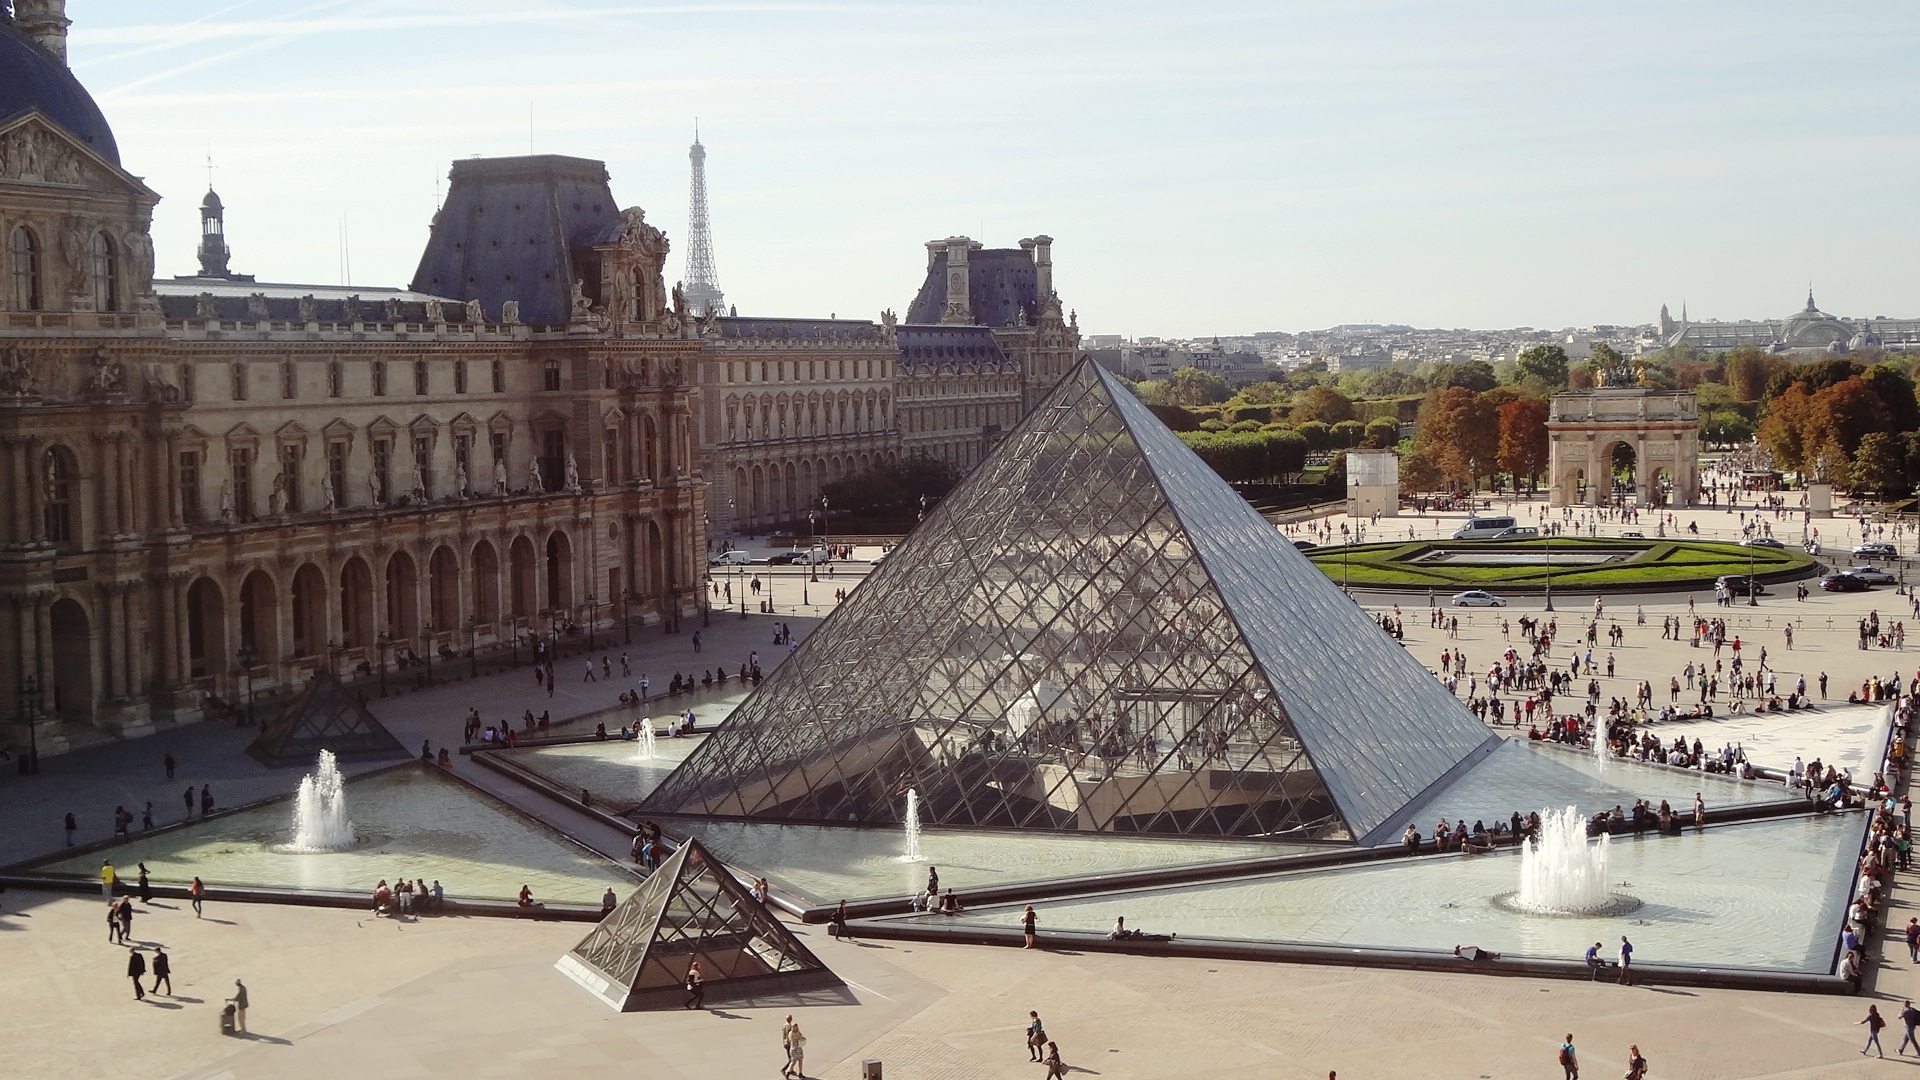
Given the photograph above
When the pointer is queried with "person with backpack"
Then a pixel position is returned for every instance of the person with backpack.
(1570, 1058)
(1874, 1023)
(1636, 1064)
(1910, 1016)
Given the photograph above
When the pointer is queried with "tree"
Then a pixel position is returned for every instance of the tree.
(1322, 403)
(1475, 375)
(1381, 434)
(1878, 464)
(1895, 390)
(1319, 436)
(1191, 386)
(891, 487)
(1783, 431)
(1749, 370)
(1461, 433)
(1844, 414)
(1417, 470)
(1348, 433)
(1548, 363)
(1523, 438)
(1724, 427)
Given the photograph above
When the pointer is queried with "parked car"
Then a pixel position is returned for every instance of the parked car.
(1845, 583)
(1477, 598)
(1872, 575)
(1305, 545)
(1633, 535)
(1876, 549)
(1762, 541)
(731, 558)
(1738, 585)
(1518, 532)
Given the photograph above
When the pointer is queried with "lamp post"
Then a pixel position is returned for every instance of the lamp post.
(1548, 541)
(385, 642)
(513, 635)
(813, 522)
(246, 658)
(706, 587)
(740, 575)
(1753, 587)
(29, 695)
(473, 647)
(593, 616)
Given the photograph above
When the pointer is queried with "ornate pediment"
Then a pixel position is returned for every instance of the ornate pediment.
(383, 426)
(292, 429)
(423, 424)
(35, 150)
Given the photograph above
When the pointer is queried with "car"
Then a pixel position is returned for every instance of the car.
(1872, 575)
(731, 558)
(785, 558)
(1477, 598)
(1845, 583)
(1518, 532)
(1305, 545)
(1762, 541)
(1634, 535)
(1738, 585)
(1876, 549)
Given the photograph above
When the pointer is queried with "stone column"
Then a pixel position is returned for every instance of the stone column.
(36, 493)
(129, 489)
(182, 650)
(20, 476)
(168, 476)
(106, 490)
(105, 628)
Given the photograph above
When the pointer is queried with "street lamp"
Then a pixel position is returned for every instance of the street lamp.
(513, 635)
(593, 616)
(1548, 541)
(426, 638)
(1753, 587)
(923, 510)
(826, 533)
(247, 657)
(29, 695)
(473, 647)
(813, 522)
(385, 641)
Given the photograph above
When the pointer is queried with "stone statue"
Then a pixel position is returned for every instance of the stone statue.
(226, 501)
(277, 497)
(373, 488)
(581, 305)
(460, 478)
(534, 484)
(474, 314)
(16, 373)
(417, 484)
(573, 473)
(73, 246)
(257, 305)
(710, 323)
(158, 388)
(309, 309)
(648, 249)
(108, 376)
(350, 309)
(140, 260)
(499, 477)
(680, 300)
(432, 312)
(393, 309)
(326, 494)
(510, 311)
(203, 306)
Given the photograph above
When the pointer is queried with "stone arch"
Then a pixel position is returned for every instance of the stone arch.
(260, 617)
(403, 596)
(356, 604)
(485, 583)
(522, 591)
(757, 494)
(72, 689)
(794, 499)
(443, 588)
(309, 610)
(206, 627)
(559, 571)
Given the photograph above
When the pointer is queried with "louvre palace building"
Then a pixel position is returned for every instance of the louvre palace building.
(217, 485)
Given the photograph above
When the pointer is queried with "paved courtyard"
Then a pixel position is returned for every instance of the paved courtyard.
(335, 992)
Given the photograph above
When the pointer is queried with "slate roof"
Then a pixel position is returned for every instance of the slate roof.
(1001, 282)
(30, 78)
(961, 346)
(180, 299)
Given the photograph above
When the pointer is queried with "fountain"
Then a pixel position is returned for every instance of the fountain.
(1562, 874)
(913, 827)
(320, 810)
(1600, 748)
(646, 739)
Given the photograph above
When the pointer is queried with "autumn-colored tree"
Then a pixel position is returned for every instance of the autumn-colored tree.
(1783, 431)
(1322, 403)
(1418, 471)
(1749, 370)
(1523, 438)
(1845, 413)
(1461, 433)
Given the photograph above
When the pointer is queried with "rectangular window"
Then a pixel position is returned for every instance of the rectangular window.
(383, 466)
(459, 376)
(239, 382)
(333, 379)
(611, 449)
(289, 381)
(290, 477)
(337, 471)
(190, 485)
(551, 376)
(499, 441)
(186, 382)
(420, 377)
(553, 459)
(243, 484)
(499, 377)
(379, 378)
(423, 460)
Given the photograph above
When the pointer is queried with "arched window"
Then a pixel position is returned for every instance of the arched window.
(59, 507)
(106, 274)
(25, 250)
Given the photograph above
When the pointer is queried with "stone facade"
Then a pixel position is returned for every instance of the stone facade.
(1660, 427)
(215, 482)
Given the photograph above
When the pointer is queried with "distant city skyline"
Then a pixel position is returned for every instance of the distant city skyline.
(1239, 167)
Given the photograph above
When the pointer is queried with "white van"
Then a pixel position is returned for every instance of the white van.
(1483, 528)
(731, 558)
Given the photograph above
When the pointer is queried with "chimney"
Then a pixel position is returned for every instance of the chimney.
(959, 282)
(1042, 264)
(46, 22)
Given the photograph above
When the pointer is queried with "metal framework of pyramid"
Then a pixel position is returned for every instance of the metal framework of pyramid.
(690, 910)
(1092, 633)
(323, 717)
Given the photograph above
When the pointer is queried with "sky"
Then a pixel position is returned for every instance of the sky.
(1205, 167)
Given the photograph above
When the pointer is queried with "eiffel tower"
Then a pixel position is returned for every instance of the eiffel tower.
(703, 282)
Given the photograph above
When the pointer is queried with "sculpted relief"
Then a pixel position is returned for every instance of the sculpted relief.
(633, 271)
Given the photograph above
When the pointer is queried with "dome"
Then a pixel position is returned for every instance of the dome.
(211, 202)
(30, 78)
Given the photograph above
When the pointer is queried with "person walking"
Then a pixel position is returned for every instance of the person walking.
(1699, 811)
(106, 878)
(1056, 1069)
(137, 970)
(71, 826)
(1036, 1035)
(1913, 940)
(1910, 1017)
(1626, 961)
(239, 1002)
(797, 1053)
(1874, 1023)
(1027, 921)
(187, 798)
(169, 763)
(113, 924)
(146, 886)
(1636, 1064)
(696, 987)
(125, 912)
(162, 970)
(1570, 1059)
(197, 892)
(787, 1031)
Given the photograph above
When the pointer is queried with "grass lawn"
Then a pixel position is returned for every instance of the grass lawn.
(1664, 563)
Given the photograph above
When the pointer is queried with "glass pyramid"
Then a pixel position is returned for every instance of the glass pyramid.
(1092, 633)
(324, 716)
(689, 911)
